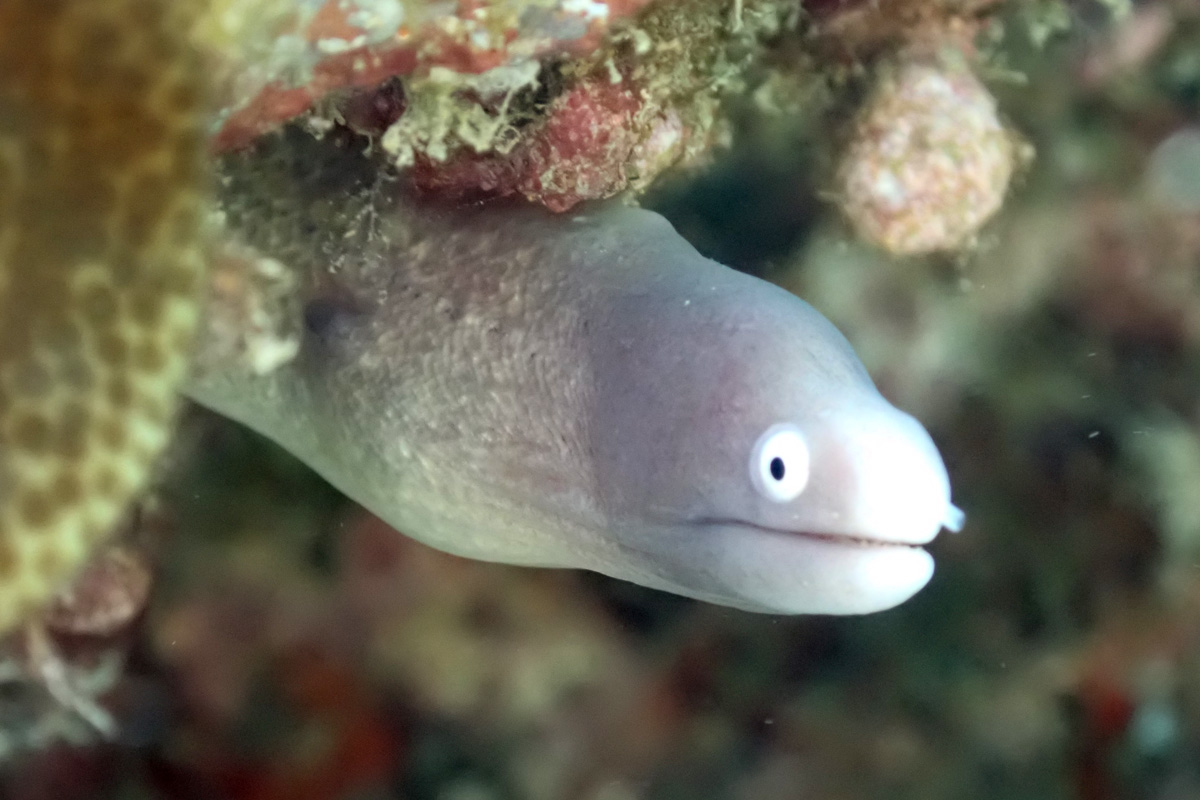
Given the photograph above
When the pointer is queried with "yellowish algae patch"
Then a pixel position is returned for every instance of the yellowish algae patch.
(101, 146)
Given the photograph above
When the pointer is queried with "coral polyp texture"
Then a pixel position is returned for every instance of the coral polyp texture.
(928, 160)
(101, 144)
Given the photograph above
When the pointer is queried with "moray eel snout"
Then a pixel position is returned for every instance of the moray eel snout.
(847, 539)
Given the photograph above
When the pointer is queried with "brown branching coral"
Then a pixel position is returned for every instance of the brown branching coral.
(100, 264)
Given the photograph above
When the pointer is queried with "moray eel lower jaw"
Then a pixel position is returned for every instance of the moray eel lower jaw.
(790, 571)
(814, 573)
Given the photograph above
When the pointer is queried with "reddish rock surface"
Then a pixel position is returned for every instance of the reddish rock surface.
(593, 138)
(354, 44)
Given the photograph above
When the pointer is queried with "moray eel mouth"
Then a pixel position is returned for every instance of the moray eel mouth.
(827, 538)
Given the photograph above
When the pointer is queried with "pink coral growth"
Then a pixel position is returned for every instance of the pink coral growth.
(929, 160)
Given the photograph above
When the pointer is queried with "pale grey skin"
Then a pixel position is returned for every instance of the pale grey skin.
(585, 390)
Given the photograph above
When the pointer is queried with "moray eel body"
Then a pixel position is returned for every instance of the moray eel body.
(580, 391)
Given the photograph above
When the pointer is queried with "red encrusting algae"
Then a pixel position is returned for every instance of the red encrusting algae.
(588, 147)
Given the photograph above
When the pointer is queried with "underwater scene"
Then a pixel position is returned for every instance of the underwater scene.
(600, 399)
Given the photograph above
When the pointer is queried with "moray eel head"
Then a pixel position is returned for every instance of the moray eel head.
(598, 395)
(762, 471)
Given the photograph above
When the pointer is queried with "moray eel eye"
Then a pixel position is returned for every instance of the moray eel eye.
(778, 470)
(779, 463)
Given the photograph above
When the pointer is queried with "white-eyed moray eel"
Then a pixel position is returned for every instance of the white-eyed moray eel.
(577, 390)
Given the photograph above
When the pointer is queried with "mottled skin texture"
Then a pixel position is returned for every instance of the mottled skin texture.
(573, 390)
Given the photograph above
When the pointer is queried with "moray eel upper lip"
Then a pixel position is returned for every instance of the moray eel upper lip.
(830, 538)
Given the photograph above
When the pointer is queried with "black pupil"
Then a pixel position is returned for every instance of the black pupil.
(777, 468)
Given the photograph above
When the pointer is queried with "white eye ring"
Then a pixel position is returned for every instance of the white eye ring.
(779, 463)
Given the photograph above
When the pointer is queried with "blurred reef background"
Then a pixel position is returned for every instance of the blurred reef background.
(997, 202)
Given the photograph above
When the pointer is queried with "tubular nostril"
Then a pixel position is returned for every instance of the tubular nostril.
(955, 518)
